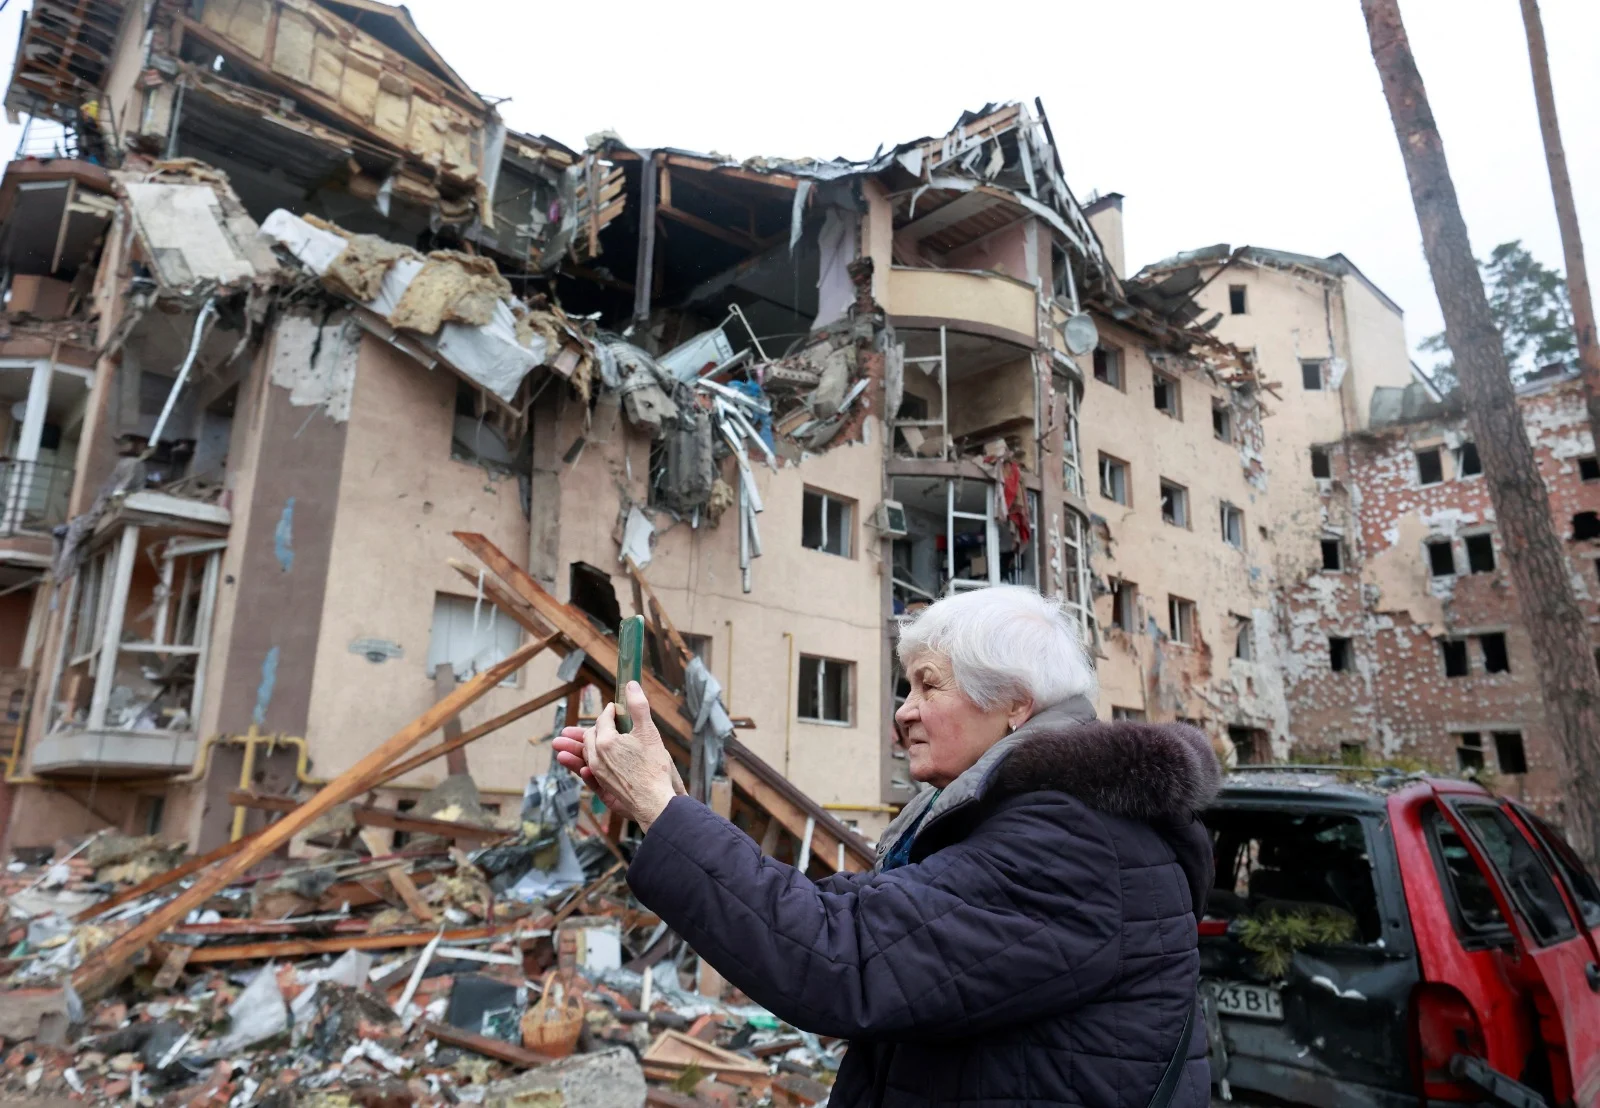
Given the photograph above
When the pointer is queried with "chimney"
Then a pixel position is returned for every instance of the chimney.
(1105, 216)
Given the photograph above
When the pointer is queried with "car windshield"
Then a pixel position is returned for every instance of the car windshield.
(1285, 862)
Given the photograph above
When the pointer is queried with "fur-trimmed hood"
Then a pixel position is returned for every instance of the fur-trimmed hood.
(1158, 773)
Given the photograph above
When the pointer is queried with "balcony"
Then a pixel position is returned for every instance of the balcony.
(971, 302)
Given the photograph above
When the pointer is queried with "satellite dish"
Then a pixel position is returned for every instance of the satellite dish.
(1080, 333)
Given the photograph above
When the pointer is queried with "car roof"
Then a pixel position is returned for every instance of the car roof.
(1349, 787)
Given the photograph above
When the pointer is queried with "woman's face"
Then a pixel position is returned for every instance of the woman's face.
(944, 732)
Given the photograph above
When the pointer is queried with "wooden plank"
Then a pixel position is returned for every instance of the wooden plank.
(498, 1049)
(105, 967)
(162, 880)
(455, 759)
(300, 948)
(172, 969)
(370, 815)
(706, 227)
(763, 784)
(401, 880)
(776, 180)
(665, 621)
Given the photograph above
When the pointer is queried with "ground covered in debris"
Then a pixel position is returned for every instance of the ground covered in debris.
(476, 963)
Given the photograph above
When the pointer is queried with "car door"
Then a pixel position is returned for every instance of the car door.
(1556, 942)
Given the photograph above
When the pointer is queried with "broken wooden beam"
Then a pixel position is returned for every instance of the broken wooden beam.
(400, 769)
(105, 967)
(525, 600)
(370, 815)
(498, 1049)
(161, 880)
(300, 948)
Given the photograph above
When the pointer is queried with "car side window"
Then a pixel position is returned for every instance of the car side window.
(1585, 890)
(1526, 880)
(1475, 912)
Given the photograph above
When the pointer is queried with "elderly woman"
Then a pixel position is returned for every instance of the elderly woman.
(1027, 936)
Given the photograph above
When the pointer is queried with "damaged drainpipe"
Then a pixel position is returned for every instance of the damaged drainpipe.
(177, 118)
(644, 270)
(206, 313)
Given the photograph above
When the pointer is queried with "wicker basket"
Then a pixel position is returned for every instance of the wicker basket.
(552, 1024)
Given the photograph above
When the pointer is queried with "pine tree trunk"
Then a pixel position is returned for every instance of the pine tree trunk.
(1534, 554)
(1555, 157)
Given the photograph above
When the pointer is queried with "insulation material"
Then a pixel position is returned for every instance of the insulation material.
(488, 354)
(187, 235)
(359, 269)
(452, 287)
(393, 113)
(358, 93)
(327, 66)
(317, 364)
(837, 242)
(242, 22)
(296, 43)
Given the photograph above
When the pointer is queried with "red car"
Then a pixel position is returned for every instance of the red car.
(1386, 940)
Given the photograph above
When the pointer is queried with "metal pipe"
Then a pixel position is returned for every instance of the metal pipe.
(195, 339)
(788, 708)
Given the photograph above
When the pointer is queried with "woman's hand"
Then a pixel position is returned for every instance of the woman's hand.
(633, 773)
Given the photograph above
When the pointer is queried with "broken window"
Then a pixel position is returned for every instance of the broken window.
(1232, 526)
(1222, 421)
(1585, 525)
(1480, 553)
(1075, 570)
(1455, 657)
(1167, 396)
(1467, 461)
(699, 646)
(825, 523)
(1108, 365)
(824, 690)
(1332, 554)
(1126, 713)
(1509, 753)
(1473, 908)
(1236, 300)
(1174, 504)
(1321, 463)
(1341, 654)
(1071, 454)
(1311, 376)
(1125, 605)
(471, 635)
(1292, 861)
(1496, 656)
(1244, 646)
(1113, 479)
(1522, 874)
(1441, 558)
(1352, 753)
(477, 437)
(1580, 881)
(1469, 751)
(1589, 468)
(1250, 745)
(1180, 619)
(1061, 285)
(1430, 467)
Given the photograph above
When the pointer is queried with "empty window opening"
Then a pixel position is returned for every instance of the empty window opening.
(1232, 526)
(1496, 657)
(1321, 463)
(1468, 463)
(1589, 468)
(1441, 558)
(1469, 751)
(1250, 745)
(1332, 554)
(1352, 753)
(1168, 399)
(400, 838)
(824, 690)
(1113, 479)
(699, 646)
(1480, 553)
(1236, 300)
(825, 523)
(1341, 654)
(1289, 859)
(1509, 753)
(1585, 525)
(1244, 646)
(1180, 619)
(1455, 657)
(1174, 504)
(1311, 376)
(1126, 713)
(1108, 366)
(1124, 605)
(1222, 421)
(471, 636)
(1430, 467)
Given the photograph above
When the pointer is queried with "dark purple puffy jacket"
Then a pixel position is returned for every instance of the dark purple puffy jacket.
(1040, 949)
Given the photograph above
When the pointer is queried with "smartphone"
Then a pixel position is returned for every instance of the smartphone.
(630, 664)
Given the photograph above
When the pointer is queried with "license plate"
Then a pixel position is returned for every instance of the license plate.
(1252, 1001)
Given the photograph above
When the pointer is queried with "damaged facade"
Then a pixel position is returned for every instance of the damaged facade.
(292, 307)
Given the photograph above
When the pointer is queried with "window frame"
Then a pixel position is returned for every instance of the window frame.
(1242, 300)
(1515, 891)
(1326, 456)
(492, 619)
(1174, 409)
(1437, 453)
(1338, 548)
(847, 696)
(1181, 516)
(1226, 512)
(1116, 369)
(1222, 422)
(847, 506)
(1127, 479)
(1459, 455)
(1320, 367)
(1466, 546)
(1244, 642)
(1346, 650)
(1428, 547)
(1124, 605)
(1183, 617)
(1465, 648)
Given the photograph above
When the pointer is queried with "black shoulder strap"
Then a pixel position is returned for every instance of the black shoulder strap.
(1169, 1080)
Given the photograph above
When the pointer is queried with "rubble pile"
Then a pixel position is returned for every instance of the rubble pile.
(475, 964)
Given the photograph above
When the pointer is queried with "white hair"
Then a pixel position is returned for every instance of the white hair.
(1005, 643)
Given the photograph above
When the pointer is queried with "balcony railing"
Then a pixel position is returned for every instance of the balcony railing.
(33, 496)
(45, 138)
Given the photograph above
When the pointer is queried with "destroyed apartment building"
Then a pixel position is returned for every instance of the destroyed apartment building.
(297, 309)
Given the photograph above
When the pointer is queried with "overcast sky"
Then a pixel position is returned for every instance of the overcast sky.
(1238, 121)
